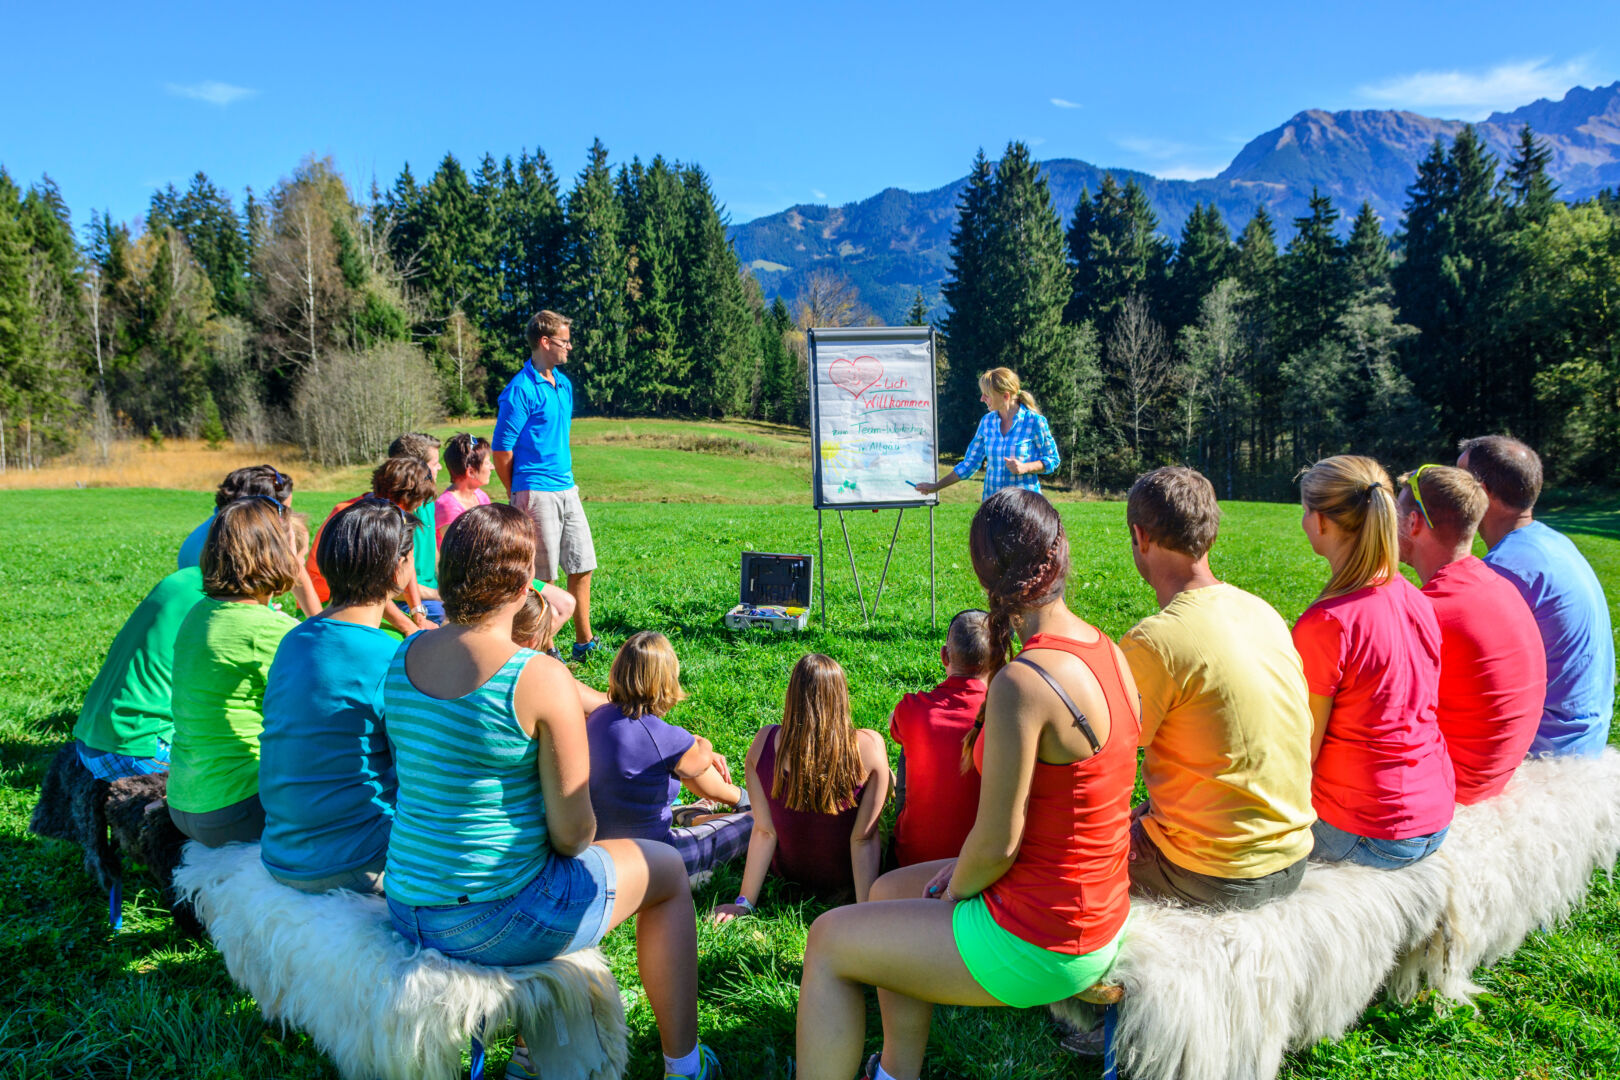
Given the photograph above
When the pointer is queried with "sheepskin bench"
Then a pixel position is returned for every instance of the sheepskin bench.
(1222, 996)
(333, 967)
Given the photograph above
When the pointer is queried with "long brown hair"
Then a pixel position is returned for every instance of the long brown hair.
(1355, 493)
(818, 763)
(1021, 556)
(485, 561)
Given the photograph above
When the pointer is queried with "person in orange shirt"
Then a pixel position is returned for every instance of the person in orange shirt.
(407, 483)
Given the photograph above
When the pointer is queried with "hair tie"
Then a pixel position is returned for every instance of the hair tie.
(1372, 487)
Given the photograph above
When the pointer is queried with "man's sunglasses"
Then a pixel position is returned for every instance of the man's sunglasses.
(1416, 489)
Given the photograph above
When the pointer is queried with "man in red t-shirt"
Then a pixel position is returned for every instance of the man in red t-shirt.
(1493, 670)
(938, 801)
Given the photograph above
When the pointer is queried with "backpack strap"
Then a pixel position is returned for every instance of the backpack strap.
(1063, 695)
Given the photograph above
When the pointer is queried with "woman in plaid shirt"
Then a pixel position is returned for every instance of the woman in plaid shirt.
(1013, 442)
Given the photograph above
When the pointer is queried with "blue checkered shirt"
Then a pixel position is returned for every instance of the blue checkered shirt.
(1029, 439)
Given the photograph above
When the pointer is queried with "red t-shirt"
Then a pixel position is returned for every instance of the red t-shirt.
(1383, 771)
(941, 800)
(1068, 888)
(322, 589)
(1493, 675)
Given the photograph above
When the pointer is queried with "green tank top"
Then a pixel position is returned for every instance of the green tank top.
(470, 818)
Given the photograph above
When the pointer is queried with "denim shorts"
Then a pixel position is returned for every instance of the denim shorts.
(1336, 845)
(565, 908)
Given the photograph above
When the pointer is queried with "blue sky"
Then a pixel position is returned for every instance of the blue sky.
(782, 104)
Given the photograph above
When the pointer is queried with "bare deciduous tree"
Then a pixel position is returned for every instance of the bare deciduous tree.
(1140, 364)
(829, 299)
(303, 295)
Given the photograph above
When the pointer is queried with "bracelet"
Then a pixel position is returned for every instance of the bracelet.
(743, 902)
(415, 611)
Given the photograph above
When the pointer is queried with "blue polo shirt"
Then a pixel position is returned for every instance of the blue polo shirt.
(1573, 617)
(532, 422)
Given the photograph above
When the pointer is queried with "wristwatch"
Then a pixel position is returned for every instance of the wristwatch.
(743, 902)
(417, 610)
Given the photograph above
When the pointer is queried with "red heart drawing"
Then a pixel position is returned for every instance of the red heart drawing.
(855, 376)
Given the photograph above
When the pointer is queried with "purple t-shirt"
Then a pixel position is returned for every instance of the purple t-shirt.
(633, 782)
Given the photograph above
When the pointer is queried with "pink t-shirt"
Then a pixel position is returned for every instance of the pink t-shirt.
(1493, 675)
(446, 508)
(1383, 771)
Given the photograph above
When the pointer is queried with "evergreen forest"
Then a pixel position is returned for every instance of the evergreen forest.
(331, 318)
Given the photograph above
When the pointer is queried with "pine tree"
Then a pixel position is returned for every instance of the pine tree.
(206, 217)
(1115, 252)
(717, 320)
(596, 280)
(1203, 259)
(534, 235)
(780, 391)
(657, 360)
(1531, 190)
(1367, 254)
(1026, 286)
(1255, 266)
(1315, 277)
(918, 314)
(971, 322)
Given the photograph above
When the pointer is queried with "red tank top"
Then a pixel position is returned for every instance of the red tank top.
(1067, 891)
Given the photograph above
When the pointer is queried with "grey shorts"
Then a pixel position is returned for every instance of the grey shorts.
(1154, 875)
(241, 822)
(362, 879)
(564, 533)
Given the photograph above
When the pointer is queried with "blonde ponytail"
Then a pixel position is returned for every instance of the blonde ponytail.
(1003, 380)
(1356, 494)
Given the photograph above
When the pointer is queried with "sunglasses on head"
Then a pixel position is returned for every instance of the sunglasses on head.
(1416, 489)
(281, 507)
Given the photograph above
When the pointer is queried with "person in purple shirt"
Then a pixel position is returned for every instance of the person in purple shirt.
(535, 463)
(639, 763)
(1563, 593)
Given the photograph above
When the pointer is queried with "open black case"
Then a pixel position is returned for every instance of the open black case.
(774, 591)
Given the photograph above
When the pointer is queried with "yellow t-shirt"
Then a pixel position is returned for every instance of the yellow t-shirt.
(1226, 725)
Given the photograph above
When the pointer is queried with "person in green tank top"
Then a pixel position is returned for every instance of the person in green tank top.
(223, 651)
(424, 448)
(127, 719)
(491, 859)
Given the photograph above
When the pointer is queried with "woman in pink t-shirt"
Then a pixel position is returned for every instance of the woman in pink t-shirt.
(470, 463)
(1382, 783)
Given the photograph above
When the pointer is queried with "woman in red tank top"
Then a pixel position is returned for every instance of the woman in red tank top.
(1033, 909)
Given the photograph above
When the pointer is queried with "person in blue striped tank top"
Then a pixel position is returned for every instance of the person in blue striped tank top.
(491, 858)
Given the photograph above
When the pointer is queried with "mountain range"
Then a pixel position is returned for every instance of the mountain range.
(897, 241)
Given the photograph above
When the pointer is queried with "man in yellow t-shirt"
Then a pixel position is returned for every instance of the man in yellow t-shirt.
(1226, 719)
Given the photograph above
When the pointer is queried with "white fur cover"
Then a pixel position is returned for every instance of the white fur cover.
(1221, 996)
(333, 966)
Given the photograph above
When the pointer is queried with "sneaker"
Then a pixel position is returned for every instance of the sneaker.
(708, 1063)
(520, 1067)
(587, 649)
(556, 654)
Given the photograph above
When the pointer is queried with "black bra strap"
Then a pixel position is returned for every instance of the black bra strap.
(1063, 695)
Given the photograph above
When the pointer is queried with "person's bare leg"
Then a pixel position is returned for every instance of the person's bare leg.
(562, 605)
(579, 587)
(652, 886)
(904, 947)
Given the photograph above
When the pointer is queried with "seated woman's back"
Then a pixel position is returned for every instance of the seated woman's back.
(470, 816)
(1066, 889)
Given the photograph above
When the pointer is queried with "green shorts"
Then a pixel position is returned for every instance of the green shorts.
(1019, 974)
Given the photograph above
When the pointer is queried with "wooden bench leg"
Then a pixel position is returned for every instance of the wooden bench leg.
(1110, 1021)
(115, 904)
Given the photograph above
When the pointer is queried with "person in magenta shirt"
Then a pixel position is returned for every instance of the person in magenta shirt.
(1493, 671)
(938, 801)
(1382, 783)
(470, 464)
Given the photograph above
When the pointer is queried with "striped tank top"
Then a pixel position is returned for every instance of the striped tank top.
(470, 819)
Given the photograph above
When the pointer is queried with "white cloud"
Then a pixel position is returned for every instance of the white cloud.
(1474, 95)
(1150, 147)
(818, 193)
(214, 93)
(1187, 172)
(1063, 103)
(1170, 160)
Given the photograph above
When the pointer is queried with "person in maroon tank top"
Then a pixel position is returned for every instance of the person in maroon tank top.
(817, 785)
(1033, 910)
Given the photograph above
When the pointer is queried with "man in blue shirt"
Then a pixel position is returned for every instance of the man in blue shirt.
(1562, 591)
(533, 460)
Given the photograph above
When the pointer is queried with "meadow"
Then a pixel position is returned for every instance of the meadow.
(671, 507)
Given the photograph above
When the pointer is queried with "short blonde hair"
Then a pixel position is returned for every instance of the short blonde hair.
(544, 324)
(531, 623)
(646, 676)
(1454, 500)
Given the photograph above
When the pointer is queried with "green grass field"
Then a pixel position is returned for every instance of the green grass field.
(77, 999)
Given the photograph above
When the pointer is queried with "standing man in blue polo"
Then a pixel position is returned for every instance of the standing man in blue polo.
(533, 460)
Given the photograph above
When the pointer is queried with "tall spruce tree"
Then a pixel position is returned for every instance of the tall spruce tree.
(971, 323)
(596, 280)
(1367, 254)
(1255, 266)
(1026, 286)
(1315, 277)
(1115, 252)
(533, 257)
(716, 319)
(1203, 258)
(1530, 189)
(658, 359)
(205, 216)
